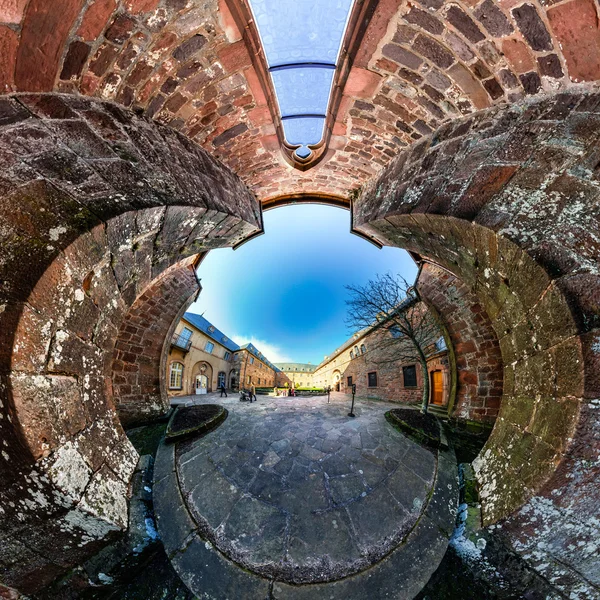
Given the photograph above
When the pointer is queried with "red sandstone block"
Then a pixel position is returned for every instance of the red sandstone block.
(9, 42)
(575, 25)
(470, 85)
(235, 57)
(11, 11)
(141, 6)
(46, 25)
(362, 83)
(518, 55)
(96, 18)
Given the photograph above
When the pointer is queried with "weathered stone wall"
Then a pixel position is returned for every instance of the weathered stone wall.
(86, 230)
(377, 358)
(479, 363)
(186, 64)
(257, 370)
(139, 377)
(508, 201)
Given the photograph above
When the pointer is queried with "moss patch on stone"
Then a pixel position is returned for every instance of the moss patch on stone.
(146, 439)
(422, 428)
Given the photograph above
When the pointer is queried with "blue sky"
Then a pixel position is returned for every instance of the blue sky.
(284, 291)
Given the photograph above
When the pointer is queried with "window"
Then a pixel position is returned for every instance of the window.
(185, 334)
(395, 332)
(249, 379)
(259, 381)
(372, 379)
(351, 354)
(221, 380)
(227, 355)
(363, 349)
(209, 347)
(441, 344)
(252, 360)
(410, 376)
(175, 376)
(356, 351)
(350, 381)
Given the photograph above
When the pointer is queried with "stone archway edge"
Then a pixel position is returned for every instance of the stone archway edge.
(401, 575)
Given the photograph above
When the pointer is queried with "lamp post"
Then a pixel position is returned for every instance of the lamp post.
(351, 413)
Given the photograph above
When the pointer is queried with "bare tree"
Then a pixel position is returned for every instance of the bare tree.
(400, 327)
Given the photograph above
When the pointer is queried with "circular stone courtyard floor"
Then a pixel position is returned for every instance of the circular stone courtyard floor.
(291, 498)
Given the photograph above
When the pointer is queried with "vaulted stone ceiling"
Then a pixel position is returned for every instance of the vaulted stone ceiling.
(185, 63)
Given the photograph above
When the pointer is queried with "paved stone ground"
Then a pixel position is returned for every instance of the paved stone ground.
(299, 494)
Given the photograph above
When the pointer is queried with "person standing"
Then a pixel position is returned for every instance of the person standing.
(253, 393)
(223, 390)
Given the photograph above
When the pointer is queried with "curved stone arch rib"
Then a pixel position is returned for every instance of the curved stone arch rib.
(85, 233)
(505, 200)
(139, 367)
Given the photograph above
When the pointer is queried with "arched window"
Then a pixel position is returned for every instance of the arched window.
(363, 349)
(175, 376)
(356, 351)
(351, 354)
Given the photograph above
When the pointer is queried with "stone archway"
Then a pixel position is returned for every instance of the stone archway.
(517, 223)
(336, 378)
(90, 259)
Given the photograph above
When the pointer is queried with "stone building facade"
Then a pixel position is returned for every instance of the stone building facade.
(297, 375)
(202, 358)
(253, 369)
(362, 361)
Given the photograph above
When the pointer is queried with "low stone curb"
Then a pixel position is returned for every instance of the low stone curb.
(400, 575)
(426, 440)
(206, 426)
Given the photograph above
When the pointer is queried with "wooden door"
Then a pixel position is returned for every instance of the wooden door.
(437, 388)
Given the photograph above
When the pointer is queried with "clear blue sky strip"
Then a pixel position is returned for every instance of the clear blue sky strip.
(294, 32)
(303, 90)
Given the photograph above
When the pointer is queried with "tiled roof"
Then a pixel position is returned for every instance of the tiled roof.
(199, 322)
(256, 352)
(296, 367)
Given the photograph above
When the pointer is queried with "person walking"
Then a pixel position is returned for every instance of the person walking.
(253, 393)
(223, 390)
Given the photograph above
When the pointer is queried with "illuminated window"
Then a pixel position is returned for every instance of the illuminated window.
(302, 43)
(175, 376)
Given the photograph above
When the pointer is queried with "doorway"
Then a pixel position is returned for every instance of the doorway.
(201, 384)
(437, 388)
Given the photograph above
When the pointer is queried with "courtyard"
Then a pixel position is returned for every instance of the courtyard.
(293, 495)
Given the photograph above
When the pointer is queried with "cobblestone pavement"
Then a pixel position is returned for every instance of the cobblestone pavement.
(296, 492)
